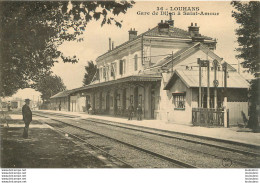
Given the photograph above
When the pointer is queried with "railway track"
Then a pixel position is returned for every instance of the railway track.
(171, 162)
(165, 135)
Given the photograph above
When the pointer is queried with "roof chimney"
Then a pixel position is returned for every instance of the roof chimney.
(132, 34)
(194, 30)
(170, 21)
(163, 27)
(109, 44)
(112, 45)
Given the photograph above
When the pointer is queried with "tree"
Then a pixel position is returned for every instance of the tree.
(91, 70)
(31, 31)
(247, 16)
(49, 86)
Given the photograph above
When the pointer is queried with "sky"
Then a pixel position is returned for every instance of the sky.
(222, 27)
(96, 37)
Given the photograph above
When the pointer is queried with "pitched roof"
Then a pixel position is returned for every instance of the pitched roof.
(191, 79)
(174, 32)
(175, 56)
(132, 78)
(183, 53)
(61, 94)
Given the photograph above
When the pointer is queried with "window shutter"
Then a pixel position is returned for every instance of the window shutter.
(121, 67)
(115, 69)
(136, 61)
(104, 73)
(112, 72)
(97, 74)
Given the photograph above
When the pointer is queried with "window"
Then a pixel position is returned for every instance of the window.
(122, 67)
(107, 72)
(136, 62)
(140, 100)
(97, 74)
(118, 100)
(111, 101)
(104, 73)
(131, 99)
(100, 73)
(179, 100)
(113, 70)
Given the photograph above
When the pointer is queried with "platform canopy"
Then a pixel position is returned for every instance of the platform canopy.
(62, 94)
(128, 79)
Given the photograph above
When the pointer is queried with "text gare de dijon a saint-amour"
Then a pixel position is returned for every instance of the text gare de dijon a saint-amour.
(177, 11)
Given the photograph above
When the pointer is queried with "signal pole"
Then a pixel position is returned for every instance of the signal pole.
(224, 65)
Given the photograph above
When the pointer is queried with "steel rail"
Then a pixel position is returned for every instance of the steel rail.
(126, 126)
(127, 165)
(175, 161)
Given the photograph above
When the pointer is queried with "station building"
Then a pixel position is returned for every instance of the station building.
(159, 70)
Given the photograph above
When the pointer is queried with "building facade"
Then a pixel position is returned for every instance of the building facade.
(159, 70)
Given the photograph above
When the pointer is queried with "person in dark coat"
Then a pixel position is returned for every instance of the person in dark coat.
(139, 112)
(27, 117)
(130, 112)
(60, 107)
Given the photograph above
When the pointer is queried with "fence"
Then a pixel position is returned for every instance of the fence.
(207, 117)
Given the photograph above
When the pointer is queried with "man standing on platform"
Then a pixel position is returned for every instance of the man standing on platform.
(130, 111)
(139, 112)
(27, 117)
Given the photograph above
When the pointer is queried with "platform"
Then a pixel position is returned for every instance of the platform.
(44, 148)
(233, 134)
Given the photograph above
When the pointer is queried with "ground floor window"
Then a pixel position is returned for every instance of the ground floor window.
(111, 101)
(118, 97)
(131, 99)
(179, 100)
(140, 100)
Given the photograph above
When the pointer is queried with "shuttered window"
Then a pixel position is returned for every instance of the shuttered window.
(121, 67)
(104, 73)
(113, 70)
(97, 75)
(136, 62)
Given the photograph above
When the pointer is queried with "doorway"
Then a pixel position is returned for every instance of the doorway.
(108, 102)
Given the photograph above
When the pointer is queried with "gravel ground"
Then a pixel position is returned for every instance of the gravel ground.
(130, 155)
(196, 154)
(43, 149)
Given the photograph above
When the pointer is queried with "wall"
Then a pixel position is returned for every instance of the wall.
(128, 55)
(238, 106)
(81, 102)
(166, 111)
(73, 103)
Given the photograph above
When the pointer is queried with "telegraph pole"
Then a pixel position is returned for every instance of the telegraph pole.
(208, 89)
(199, 62)
(172, 61)
(215, 62)
(224, 65)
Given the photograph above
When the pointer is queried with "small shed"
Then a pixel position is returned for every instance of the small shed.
(183, 88)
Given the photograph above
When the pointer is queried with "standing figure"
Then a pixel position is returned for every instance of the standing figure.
(60, 107)
(139, 112)
(27, 117)
(88, 107)
(130, 112)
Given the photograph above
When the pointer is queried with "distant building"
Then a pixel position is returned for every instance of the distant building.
(159, 70)
(61, 99)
